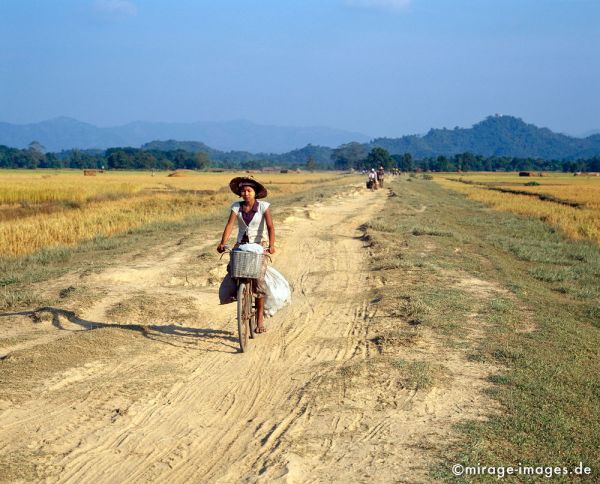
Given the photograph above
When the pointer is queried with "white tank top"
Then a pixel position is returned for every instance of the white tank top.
(257, 225)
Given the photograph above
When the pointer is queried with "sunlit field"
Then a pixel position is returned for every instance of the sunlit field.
(46, 208)
(570, 203)
(38, 186)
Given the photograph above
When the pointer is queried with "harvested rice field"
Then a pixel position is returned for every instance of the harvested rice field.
(49, 208)
(569, 203)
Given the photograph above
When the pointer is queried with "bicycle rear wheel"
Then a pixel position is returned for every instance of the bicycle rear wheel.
(244, 314)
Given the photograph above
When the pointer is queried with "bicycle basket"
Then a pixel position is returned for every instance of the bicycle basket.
(246, 264)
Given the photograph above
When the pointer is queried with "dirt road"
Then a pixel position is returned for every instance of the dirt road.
(144, 382)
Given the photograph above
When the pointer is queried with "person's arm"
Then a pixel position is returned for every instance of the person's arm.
(270, 231)
(227, 231)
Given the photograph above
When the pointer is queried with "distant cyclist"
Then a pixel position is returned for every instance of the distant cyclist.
(380, 175)
(372, 180)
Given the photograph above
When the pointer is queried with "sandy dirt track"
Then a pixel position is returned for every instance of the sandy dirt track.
(145, 382)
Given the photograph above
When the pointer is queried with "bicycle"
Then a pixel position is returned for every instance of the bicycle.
(244, 268)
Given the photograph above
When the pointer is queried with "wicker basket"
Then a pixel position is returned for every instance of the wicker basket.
(246, 264)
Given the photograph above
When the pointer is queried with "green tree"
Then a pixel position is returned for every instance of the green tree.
(120, 158)
(349, 155)
(404, 162)
(311, 164)
(201, 160)
(252, 165)
(143, 160)
(380, 157)
(442, 164)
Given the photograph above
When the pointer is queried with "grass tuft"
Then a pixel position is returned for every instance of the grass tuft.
(418, 231)
(418, 375)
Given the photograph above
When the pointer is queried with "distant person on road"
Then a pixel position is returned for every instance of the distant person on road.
(252, 216)
(380, 175)
(373, 179)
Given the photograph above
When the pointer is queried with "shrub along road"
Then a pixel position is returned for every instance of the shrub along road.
(418, 337)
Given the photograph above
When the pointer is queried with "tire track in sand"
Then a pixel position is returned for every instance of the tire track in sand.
(199, 411)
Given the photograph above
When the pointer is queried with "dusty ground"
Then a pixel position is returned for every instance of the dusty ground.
(137, 377)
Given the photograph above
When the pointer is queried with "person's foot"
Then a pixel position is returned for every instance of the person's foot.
(260, 328)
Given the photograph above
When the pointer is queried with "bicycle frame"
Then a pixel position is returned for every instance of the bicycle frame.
(247, 316)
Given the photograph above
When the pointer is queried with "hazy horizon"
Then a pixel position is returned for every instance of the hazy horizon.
(382, 68)
(423, 133)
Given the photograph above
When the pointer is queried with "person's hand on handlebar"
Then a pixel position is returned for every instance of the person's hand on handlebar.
(221, 248)
(270, 250)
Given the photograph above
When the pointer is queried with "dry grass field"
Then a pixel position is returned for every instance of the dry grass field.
(569, 203)
(516, 295)
(48, 208)
(469, 331)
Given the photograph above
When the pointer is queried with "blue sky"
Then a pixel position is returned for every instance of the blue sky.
(380, 67)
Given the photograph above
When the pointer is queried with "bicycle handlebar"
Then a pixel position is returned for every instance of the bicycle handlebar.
(227, 249)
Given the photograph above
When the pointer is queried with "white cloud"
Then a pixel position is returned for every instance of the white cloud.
(394, 5)
(115, 8)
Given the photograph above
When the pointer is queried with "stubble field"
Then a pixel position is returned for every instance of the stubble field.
(428, 328)
(566, 202)
(47, 208)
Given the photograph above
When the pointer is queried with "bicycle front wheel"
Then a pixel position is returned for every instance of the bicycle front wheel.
(244, 314)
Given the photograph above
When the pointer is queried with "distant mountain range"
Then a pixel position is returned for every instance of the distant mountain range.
(66, 133)
(495, 136)
(243, 140)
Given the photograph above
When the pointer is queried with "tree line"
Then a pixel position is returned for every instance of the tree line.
(355, 156)
(350, 156)
(110, 159)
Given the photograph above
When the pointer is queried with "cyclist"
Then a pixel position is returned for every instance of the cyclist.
(380, 175)
(252, 216)
(372, 180)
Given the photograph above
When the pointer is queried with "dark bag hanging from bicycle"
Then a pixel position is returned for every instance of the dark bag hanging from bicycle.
(227, 290)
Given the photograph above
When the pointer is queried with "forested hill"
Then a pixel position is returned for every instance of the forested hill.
(189, 146)
(494, 136)
(496, 143)
(320, 154)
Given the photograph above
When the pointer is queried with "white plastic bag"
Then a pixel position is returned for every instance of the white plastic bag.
(256, 248)
(278, 292)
